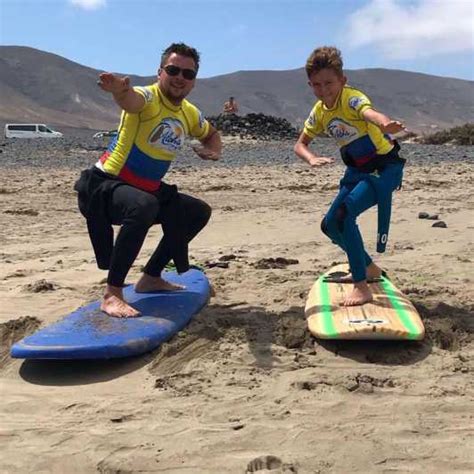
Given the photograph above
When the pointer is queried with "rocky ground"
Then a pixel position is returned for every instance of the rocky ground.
(254, 127)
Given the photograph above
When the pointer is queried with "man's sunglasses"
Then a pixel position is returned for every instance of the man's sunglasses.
(188, 74)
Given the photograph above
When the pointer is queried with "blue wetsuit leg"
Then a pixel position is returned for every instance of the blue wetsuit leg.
(332, 224)
(361, 198)
(356, 195)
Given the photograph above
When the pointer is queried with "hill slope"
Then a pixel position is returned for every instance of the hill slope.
(43, 87)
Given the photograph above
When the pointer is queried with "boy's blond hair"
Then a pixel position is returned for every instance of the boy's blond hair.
(326, 57)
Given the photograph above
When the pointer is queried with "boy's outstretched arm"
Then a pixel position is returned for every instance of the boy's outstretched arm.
(123, 93)
(302, 151)
(385, 124)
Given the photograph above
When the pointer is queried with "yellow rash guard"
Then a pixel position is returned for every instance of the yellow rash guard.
(147, 141)
(344, 122)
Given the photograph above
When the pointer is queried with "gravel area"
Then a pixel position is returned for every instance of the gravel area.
(80, 152)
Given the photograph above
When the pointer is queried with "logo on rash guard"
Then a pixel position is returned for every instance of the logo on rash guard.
(342, 131)
(202, 120)
(146, 93)
(355, 101)
(168, 135)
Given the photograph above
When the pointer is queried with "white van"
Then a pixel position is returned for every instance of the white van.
(30, 130)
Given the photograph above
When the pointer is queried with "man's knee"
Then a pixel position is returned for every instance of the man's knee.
(204, 213)
(144, 210)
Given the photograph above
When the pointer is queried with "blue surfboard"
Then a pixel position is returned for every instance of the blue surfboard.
(88, 333)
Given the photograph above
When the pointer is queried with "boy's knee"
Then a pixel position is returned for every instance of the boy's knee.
(324, 226)
(341, 214)
(334, 222)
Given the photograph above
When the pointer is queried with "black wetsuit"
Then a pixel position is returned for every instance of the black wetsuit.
(105, 200)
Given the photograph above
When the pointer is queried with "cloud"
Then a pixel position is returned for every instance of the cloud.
(88, 4)
(403, 30)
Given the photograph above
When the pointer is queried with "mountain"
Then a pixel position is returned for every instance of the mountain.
(36, 86)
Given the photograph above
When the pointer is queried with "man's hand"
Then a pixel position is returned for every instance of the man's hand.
(205, 153)
(116, 85)
(316, 161)
(124, 95)
(392, 127)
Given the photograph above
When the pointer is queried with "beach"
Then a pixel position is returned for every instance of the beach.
(245, 387)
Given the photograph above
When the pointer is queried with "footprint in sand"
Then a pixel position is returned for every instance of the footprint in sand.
(11, 332)
(269, 464)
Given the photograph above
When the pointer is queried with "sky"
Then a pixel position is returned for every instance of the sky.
(125, 36)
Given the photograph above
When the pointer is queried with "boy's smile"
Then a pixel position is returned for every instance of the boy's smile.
(327, 85)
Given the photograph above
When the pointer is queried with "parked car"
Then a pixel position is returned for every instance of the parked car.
(30, 130)
(110, 133)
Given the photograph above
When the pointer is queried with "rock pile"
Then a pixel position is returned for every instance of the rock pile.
(255, 126)
(463, 135)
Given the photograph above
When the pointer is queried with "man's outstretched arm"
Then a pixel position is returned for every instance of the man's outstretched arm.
(123, 93)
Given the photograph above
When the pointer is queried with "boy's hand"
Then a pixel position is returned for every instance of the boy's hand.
(320, 161)
(392, 127)
(116, 85)
(205, 153)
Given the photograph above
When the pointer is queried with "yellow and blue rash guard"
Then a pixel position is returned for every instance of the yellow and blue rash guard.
(147, 142)
(357, 138)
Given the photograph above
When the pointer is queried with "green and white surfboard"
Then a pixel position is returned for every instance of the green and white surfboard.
(390, 315)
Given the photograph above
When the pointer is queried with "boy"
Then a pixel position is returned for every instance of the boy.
(374, 169)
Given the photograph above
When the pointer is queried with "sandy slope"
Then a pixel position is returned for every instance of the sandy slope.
(245, 379)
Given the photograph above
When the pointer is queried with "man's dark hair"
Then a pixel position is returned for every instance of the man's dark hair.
(181, 49)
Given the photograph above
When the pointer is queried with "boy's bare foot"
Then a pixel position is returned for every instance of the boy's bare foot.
(372, 272)
(149, 284)
(114, 305)
(360, 295)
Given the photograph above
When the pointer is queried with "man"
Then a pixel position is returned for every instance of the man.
(125, 186)
(231, 106)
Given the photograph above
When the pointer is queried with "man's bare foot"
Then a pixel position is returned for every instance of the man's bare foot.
(114, 304)
(150, 284)
(372, 272)
(360, 295)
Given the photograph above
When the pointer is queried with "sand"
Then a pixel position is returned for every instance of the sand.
(244, 388)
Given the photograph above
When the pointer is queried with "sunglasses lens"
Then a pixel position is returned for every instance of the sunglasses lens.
(172, 70)
(189, 74)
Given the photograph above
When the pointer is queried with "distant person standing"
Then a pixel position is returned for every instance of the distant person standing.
(231, 106)
(374, 168)
(126, 187)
